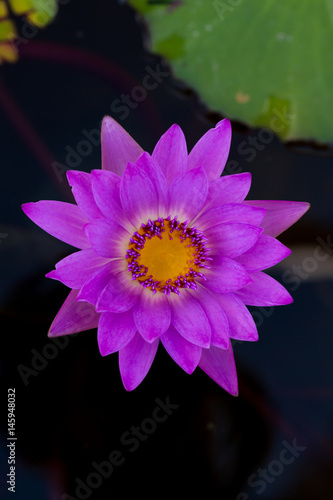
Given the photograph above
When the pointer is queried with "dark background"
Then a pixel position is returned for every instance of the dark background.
(71, 407)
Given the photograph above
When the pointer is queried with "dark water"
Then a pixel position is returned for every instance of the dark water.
(175, 434)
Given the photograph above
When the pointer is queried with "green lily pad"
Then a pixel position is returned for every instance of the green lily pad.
(266, 63)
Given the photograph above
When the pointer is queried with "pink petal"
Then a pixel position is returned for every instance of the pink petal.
(266, 252)
(107, 238)
(228, 189)
(152, 315)
(62, 220)
(171, 153)
(135, 360)
(73, 317)
(188, 194)
(118, 147)
(231, 239)
(241, 323)
(105, 188)
(157, 177)
(225, 275)
(264, 291)
(212, 150)
(280, 214)
(216, 316)
(82, 192)
(75, 269)
(93, 287)
(138, 195)
(185, 354)
(219, 365)
(231, 212)
(119, 295)
(115, 330)
(189, 319)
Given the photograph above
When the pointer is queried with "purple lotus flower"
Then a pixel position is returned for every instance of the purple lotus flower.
(169, 252)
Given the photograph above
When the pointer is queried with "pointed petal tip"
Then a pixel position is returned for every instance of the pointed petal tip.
(118, 146)
(74, 175)
(70, 176)
(110, 125)
(144, 154)
(219, 365)
(103, 351)
(243, 176)
(306, 206)
(246, 337)
(299, 208)
(232, 388)
(108, 120)
(130, 383)
(130, 388)
(26, 207)
(175, 128)
(52, 333)
(253, 336)
(288, 300)
(135, 360)
(280, 214)
(60, 219)
(224, 123)
(212, 150)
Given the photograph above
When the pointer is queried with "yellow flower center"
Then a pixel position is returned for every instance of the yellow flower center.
(165, 255)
